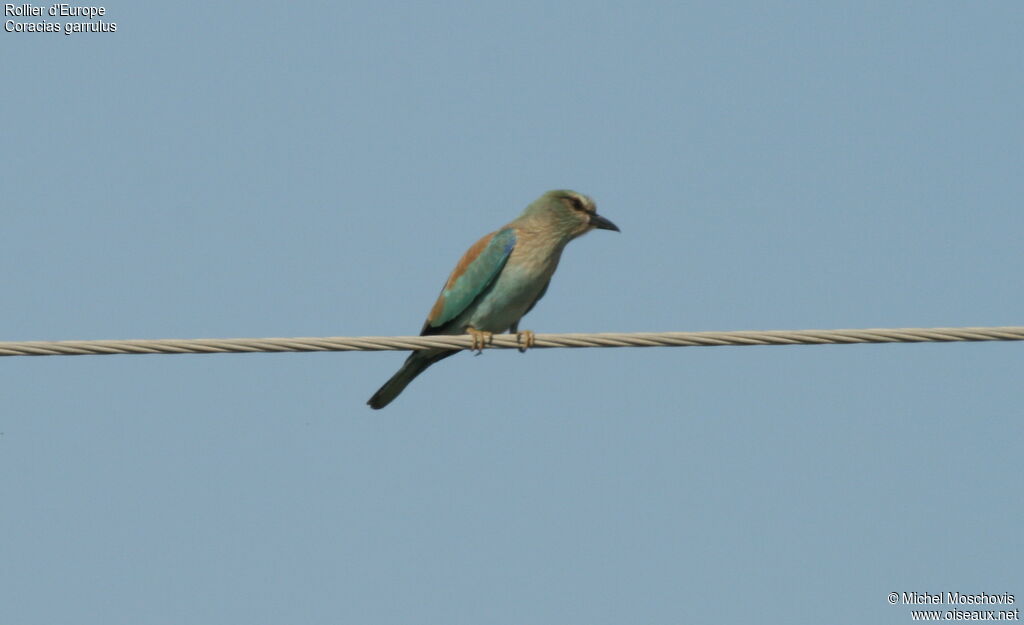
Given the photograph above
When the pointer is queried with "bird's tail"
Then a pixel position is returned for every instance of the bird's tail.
(415, 364)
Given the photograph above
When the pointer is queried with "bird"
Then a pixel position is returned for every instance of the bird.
(499, 280)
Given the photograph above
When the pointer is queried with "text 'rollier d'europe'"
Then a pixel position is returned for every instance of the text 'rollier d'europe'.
(59, 10)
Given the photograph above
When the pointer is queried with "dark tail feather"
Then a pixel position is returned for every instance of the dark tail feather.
(415, 364)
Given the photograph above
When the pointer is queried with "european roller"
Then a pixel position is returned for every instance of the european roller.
(500, 279)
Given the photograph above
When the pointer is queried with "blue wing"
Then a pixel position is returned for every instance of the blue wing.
(474, 273)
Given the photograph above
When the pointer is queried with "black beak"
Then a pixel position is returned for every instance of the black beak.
(601, 223)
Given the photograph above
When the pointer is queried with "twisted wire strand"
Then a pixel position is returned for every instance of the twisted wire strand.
(507, 341)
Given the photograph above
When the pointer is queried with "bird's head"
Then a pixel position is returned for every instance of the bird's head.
(568, 213)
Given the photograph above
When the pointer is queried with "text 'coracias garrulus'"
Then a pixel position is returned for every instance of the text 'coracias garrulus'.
(500, 279)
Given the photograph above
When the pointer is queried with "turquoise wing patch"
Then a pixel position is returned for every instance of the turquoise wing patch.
(477, 277)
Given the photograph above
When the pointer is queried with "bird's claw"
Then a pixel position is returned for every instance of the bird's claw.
(526, 340)
(480, 339)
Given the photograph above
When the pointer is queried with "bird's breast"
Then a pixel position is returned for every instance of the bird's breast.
(516, 288)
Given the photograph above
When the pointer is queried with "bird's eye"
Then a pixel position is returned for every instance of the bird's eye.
(577, 203)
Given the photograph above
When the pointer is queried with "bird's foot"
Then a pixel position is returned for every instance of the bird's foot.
(526, 340)
(480, 339)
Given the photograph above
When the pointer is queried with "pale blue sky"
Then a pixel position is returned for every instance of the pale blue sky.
(311, 169)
